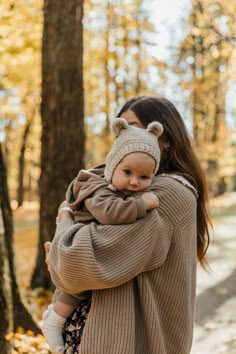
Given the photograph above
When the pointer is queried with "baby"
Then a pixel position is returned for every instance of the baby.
(117, 198)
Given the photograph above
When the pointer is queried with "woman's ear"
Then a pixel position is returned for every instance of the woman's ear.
(166, 145)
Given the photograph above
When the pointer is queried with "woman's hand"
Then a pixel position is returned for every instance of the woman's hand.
(64, 212)
(62, 205)
(47, 246)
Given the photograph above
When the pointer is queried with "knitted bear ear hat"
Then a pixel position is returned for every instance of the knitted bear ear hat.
(132, 139)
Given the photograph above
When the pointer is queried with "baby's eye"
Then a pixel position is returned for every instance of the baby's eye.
(144, 177)
(127, 172)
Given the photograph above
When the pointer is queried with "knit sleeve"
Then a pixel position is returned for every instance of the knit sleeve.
(105, 256)
(107, 207)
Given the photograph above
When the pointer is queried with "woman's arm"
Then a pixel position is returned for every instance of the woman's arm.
(104, 256)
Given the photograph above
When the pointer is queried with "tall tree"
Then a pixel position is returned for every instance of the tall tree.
(20, 190)
(6, 303)
(62, 109)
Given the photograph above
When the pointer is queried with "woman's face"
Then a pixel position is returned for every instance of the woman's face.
(132, 119)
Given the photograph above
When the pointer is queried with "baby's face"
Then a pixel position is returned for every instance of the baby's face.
(134, 173)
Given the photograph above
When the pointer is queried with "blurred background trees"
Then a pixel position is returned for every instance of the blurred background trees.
(20, 79)
(206, 59)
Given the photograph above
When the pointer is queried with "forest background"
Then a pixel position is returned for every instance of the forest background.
(66, 67)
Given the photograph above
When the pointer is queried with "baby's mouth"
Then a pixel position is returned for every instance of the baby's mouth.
(127, 191)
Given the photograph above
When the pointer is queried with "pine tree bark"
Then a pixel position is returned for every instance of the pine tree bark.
(62, 108)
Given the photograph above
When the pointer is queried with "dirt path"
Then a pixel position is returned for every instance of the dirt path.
(215, 324)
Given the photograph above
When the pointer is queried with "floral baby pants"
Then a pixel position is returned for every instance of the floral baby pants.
(74, 327)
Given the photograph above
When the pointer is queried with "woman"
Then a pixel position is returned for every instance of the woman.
(143, 275)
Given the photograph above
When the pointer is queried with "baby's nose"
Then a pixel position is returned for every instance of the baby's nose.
(134, 181)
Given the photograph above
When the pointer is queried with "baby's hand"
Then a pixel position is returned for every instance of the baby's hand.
(150, 199)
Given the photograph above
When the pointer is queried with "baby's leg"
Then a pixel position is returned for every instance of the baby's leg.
(63, 309)
(53, 325)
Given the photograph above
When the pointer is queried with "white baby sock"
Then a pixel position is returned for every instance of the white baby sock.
(52, 329)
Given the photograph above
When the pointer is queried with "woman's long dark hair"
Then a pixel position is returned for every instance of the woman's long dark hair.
(180, 157)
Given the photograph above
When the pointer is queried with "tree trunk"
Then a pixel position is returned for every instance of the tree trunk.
(14, 310)
(20, 191)
(6, 323)
(62, 108)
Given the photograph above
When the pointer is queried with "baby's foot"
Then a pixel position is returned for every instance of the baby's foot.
(52, 330)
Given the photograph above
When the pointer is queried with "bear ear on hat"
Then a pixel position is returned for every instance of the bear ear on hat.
(118, 124)
(155, 128)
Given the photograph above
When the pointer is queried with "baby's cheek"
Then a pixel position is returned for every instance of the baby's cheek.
(149, 183)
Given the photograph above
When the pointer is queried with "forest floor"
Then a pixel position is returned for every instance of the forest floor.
(215, 319)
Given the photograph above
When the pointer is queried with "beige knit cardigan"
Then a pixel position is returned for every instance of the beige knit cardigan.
(143, 276)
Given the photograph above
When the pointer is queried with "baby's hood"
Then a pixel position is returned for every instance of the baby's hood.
(83, 186)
